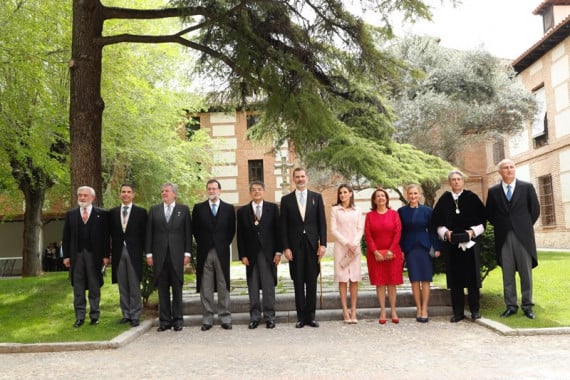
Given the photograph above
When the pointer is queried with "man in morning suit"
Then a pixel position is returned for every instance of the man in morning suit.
(513, 208)
(127, 226)
(214, 227)
(168, 249)
(258, 240)
(304, 234)
(85, 247)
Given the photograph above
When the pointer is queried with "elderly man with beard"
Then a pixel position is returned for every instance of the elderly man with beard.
(85, 251)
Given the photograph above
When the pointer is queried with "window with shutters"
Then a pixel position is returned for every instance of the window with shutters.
(546, 197)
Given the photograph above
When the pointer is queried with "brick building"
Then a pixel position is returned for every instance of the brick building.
(541, 151)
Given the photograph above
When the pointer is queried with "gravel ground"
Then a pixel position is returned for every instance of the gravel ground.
(408, 350)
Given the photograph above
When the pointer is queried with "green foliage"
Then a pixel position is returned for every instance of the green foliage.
(147, 106)
(147, 283)
(33, 91)
(319, 74)
(452, 97)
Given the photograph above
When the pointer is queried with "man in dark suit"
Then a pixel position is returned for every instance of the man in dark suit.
(168, 249)
(258, 239)
(304, 234)
(513, 208)
(127, 226)
(85, 247)
(459, 219)
(214, 226)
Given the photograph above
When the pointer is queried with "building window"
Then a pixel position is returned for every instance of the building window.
(498, 150)
(547, 215)
(540, 123)
(192, 125)
(255, 169)
(252, 120)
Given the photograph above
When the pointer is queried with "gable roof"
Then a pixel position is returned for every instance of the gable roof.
(553, 37)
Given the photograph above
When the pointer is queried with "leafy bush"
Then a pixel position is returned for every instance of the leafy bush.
(147, 286)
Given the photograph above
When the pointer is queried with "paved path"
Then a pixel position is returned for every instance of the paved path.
(409, 350)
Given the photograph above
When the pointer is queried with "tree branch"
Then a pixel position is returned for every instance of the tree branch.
(175, 38)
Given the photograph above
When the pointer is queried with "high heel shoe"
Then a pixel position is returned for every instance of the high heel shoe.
(346, 317)
(382, 321)
(353, 319)
(395, 320)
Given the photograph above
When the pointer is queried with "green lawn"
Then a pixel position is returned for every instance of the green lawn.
(551, 290)
(40, 309)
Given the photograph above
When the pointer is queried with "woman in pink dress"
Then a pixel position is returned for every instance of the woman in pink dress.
(384, 256)
(347, 226)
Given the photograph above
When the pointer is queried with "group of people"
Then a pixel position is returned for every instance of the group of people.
(52, 258)
(416, 234)
(93, 238)
(297, 230)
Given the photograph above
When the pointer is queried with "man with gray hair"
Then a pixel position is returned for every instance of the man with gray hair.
(85, 248)
(459, 219)
(513, 208)
(168, 249)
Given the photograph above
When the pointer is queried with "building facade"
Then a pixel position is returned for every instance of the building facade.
(541, 151)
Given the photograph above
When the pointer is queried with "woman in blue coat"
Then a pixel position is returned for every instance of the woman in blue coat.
(416, 243)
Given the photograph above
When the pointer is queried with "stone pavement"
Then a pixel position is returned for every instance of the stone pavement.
(408, 350)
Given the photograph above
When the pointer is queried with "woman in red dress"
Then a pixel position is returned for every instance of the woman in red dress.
(384, 256)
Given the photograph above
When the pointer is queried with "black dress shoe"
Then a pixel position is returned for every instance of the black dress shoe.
(78, 323)
(178, 328)
(475, 316)
(124, 320)
(135, 322)
(253, 325)
(313, 323)
(205, 327)
(227, 326)
(270, 324)
(529, 314)
(456, 318)
(163, 328)
(507, 313)
(94, 321)
(299, 324)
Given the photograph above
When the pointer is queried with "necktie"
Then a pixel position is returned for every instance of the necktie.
(85, 215)
(168, 213)
(509, 193)
(125, 214)
(302, 199)
(258, 212)
(214, 209)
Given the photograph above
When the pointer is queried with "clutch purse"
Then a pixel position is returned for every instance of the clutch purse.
(459, 237)
(383, 255)
(345, 261)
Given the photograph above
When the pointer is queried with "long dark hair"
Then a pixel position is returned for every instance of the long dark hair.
(347, 187)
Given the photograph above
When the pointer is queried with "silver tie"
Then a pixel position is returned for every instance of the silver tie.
(302, 199)
(168, 213)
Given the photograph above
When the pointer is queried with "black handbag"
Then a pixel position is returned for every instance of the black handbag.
(459, 237)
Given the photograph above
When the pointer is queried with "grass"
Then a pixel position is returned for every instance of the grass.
(40, 309)
(551, 289)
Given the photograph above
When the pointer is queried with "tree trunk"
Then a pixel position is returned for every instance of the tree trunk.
(32, 252)
(86, 104)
